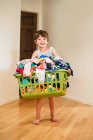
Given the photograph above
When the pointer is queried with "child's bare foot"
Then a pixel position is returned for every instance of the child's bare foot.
(54, 119)
(36, 122)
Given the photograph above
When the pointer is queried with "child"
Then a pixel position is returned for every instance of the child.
(41, 41)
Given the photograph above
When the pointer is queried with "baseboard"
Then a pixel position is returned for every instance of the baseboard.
(79, 100)
(7, 100)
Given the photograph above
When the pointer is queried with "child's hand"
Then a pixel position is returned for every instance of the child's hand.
(69, 71)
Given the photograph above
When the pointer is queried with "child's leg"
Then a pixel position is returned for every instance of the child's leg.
(38, 109)
(51, 105)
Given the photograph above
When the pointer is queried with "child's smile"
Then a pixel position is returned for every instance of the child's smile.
(41, 41)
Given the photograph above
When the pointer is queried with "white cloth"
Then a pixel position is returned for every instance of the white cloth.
(23, 61)
(27, 67)
(40, 74)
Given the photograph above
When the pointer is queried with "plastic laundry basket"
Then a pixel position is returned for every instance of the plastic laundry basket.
(55, 85)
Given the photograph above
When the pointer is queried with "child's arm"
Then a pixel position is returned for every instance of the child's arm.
(34, 55)
(55, 54)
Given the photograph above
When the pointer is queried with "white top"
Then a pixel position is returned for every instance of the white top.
(48, 53)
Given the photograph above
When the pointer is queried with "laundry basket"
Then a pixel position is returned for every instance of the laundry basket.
(55, 84)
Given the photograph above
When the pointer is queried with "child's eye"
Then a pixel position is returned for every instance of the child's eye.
(39, 39)
(44, 38)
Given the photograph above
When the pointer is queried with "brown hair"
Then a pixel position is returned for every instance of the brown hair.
(42, 33)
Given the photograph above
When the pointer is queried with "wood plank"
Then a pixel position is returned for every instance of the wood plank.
(75, 121)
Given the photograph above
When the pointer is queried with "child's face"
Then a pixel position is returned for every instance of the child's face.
(41, 41)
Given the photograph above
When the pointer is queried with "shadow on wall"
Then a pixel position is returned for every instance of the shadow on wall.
(8, 86)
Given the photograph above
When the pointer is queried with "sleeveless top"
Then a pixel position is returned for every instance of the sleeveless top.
(49, 52)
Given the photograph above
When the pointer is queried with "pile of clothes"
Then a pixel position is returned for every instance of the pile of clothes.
(39, 65)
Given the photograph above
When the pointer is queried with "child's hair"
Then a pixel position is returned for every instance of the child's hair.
(42, 33)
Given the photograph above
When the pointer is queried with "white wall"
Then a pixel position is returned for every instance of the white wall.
(9, 48)
(70, 26)
(10, 12)
(33, 6)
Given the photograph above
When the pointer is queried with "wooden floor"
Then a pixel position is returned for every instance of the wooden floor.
(75, 121)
